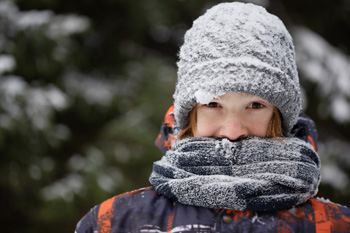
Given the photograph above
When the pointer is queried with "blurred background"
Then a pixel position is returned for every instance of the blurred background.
(84, 86)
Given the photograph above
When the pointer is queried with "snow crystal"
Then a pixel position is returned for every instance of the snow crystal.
(256, 218)
(204, 97)
(217, 145)
(326, 200)
(228, 145)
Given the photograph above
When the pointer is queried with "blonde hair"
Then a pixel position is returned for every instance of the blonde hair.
(274, 129)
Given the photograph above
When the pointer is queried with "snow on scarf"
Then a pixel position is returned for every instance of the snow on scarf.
(256, 174)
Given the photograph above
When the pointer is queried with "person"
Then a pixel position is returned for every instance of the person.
(239, 156)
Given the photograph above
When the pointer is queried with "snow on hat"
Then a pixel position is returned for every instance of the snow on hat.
(237, 47)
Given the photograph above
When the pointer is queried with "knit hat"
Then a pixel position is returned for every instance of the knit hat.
(237, 47)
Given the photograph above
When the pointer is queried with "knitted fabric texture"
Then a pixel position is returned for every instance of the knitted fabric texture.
(252, 174)
(238, 47)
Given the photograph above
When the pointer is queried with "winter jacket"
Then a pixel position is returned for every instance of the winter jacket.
(144, 210)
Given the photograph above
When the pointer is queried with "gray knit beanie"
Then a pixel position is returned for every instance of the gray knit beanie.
(237, 47)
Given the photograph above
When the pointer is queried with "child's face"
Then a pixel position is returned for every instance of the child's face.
(234, 115)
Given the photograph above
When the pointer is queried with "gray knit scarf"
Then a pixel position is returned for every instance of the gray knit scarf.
(252, 174)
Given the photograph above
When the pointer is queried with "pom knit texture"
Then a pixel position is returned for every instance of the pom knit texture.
(253, 174)
(238, 47)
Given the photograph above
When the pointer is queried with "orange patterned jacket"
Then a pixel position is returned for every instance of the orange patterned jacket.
(144, 210)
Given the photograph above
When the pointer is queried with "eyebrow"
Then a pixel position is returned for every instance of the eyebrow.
(252, 96)
(246, 95)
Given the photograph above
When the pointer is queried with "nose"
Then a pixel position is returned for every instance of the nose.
(233, 128)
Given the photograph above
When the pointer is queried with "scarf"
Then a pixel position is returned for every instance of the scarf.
(256, 174)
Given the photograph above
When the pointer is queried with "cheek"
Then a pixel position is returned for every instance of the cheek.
(259, 127)
(205, 127)
(258, 130)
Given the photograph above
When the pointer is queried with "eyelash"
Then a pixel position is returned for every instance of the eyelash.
(260, 105)
(250, 106)
(212, 103)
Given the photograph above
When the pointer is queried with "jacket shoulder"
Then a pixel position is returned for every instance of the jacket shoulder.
(330, 216)
(317, 215)
(330, 209)
(99, 218)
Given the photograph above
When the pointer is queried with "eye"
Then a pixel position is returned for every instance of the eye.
(212, 105)
(256, 105)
